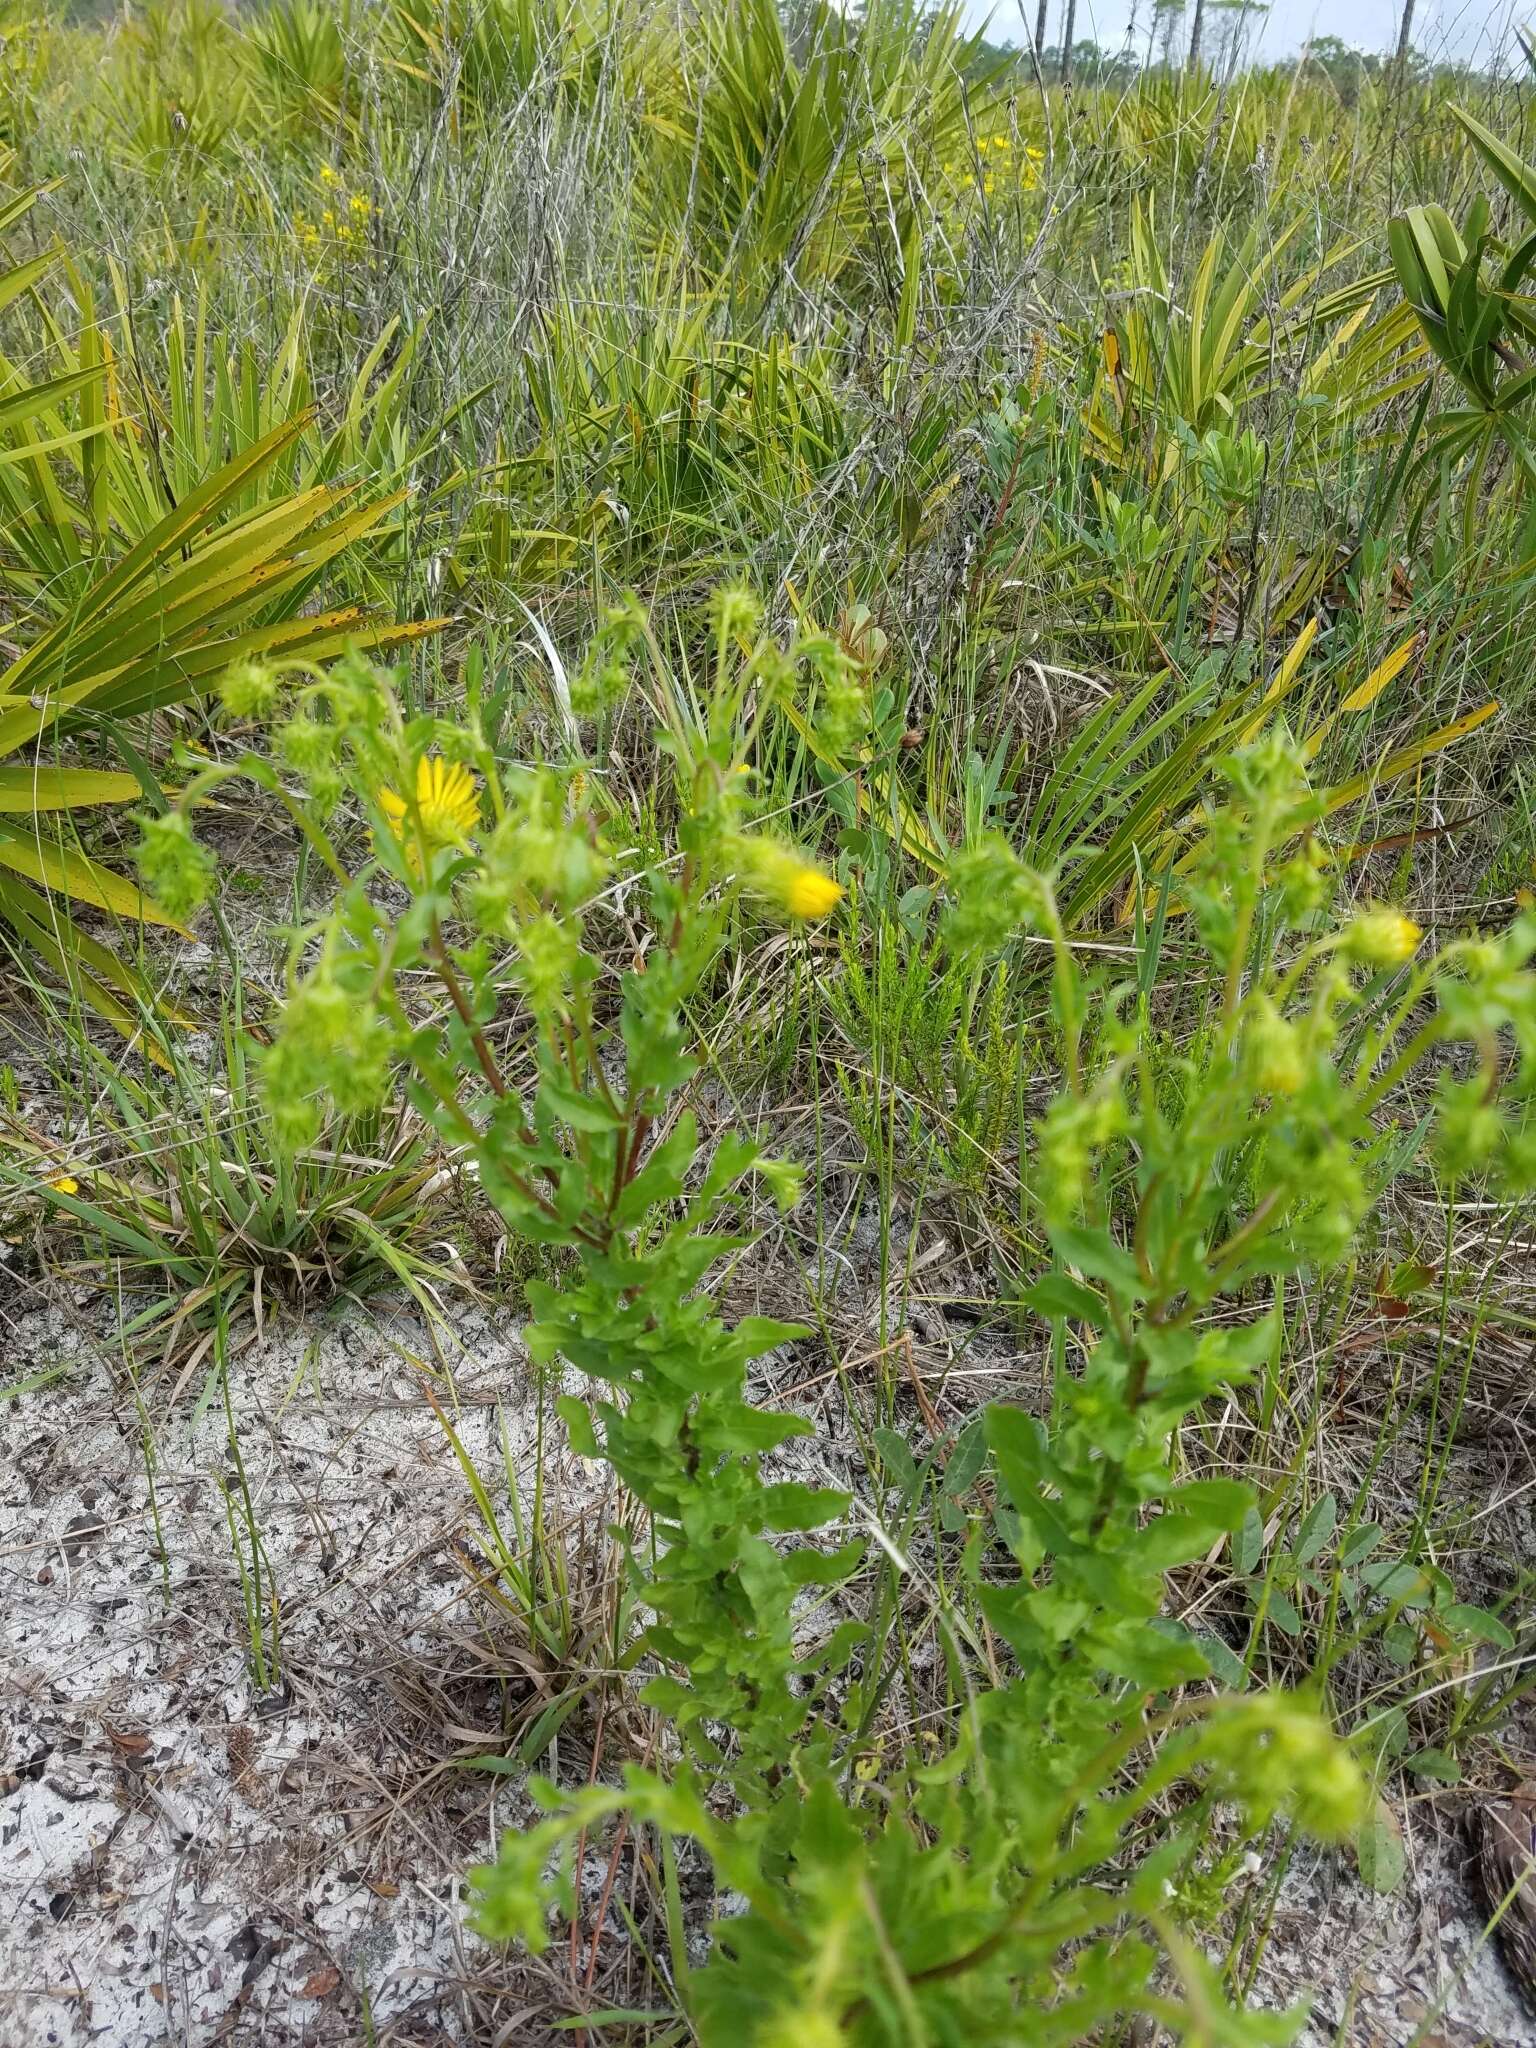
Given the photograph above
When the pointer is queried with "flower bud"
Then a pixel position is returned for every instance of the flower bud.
(992, 897)
(1380, 936)
(736, 613)
(175, 868)
(306, 746)
(1275, 1051)
(250, 688)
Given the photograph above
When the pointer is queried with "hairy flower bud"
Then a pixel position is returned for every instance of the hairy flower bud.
(992, 897)
(1380, 936)
(1275, 1051)
(1280, 1756)
(306, 745)
(736, 613)
(175, 868)
(250, 688)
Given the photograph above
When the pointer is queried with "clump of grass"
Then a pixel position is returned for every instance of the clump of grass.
(169, 1192)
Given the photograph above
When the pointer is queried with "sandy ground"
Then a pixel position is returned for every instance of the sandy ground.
(185, 1856)
(188, 1857)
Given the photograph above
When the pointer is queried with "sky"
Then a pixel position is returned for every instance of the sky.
(1448, 28)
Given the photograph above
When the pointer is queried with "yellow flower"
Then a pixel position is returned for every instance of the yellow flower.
(809, 893)
(65, 1184)
(360, 206)
(783, 874)
(447, 805)
(327, 175)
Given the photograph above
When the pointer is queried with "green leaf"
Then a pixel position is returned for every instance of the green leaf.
(1095, 1253)
(661, 1178)
(1155, 1655)
(73, 874)
(1379, 1849)
(1515, 175)
(1224, 1662)
(809, 1567)
(1249, 1547)
(1171, 1539)
(34, 786)
(1478, 1623)
(1403, 1584)
(617, 2016)
(1058, 1295)
(1359, 1543)
(573, 1106)
(1435, 1765)
(1024, 1465)
(896, 1458)
(1317, 1526)
(756, 1336)
(1401, 1644)
(577, 1417)
(729, 1425)
(967, 1458)
(1281, 1610)
(790, 1505)
(1220, 1503)
(546, 1725)
(828, 1836)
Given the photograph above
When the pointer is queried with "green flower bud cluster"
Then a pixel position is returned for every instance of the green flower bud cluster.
(548, 957)
(1469, 1125)
(992, 897)
(250, 689)
(1278, 1756)
(537, 858)
(1269, 806)
(1268, 782)
(605, 675)
(841, 707)
(736, 614)
(176, 869)
(332, 1045)
(1486, 1122)
(1072, 1134)
(599, 685)
(1302, 884)
(1325, 1179)
(784, 1180)
(1277, 1060)
(1379, 937)
(355, 690)
(310, 747)
(1489, 987)
(773, 670)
